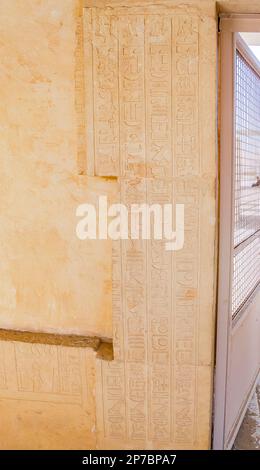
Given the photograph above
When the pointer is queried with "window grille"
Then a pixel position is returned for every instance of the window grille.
(246, 266)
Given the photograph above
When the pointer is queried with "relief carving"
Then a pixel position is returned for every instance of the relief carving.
(150, 113)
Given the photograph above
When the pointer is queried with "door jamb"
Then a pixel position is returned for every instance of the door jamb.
(230, 25)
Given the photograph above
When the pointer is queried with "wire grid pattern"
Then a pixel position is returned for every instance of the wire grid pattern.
(246, 268)
(246, 274)
(247, 160)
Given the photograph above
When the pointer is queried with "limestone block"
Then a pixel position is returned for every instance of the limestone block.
(50, 280)
(145, 91)
(46, 397)
(150, 70)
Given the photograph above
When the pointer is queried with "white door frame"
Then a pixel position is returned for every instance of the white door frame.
(227, 327)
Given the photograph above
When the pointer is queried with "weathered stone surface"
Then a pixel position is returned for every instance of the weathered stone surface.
(50, 280)
(158, 392)
(46, 397)
(152, 74)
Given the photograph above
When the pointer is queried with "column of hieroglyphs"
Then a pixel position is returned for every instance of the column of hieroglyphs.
(143, 74)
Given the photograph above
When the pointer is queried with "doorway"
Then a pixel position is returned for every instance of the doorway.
(238, 328)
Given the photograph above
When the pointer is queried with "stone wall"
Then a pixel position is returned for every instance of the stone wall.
(157, 60)
(50, 280)
(161, 63)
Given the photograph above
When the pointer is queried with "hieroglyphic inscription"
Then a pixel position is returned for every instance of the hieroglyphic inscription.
(79, 94)
(42, 372)
(113, 402)
(142, 89)
(158, 79)
(3, 379)
(118, 327)
(185, 300)
(131, 93)
(133, 281)
(160, 324)
(102, 74)
(149, 392)
(185, 82)
(46, 396)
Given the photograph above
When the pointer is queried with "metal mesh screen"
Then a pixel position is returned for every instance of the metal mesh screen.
(246, 269)
(246, 273)
(247, 162)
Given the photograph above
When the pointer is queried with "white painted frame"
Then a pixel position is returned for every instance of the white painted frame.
(230, 26)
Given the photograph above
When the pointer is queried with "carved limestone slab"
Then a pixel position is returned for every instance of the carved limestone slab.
(142, 72)
(149, 76)
(46, 396)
